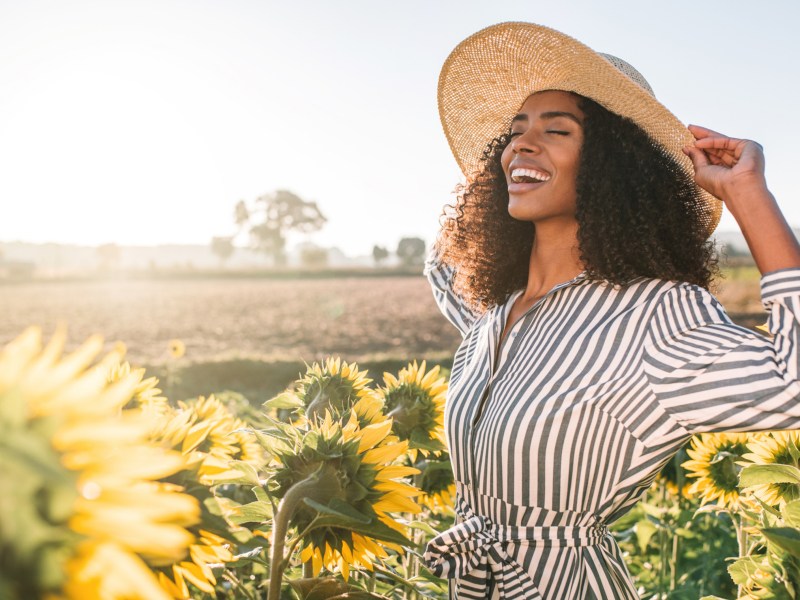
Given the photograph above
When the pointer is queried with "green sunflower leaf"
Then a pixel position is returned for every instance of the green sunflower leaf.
(286, 400)
(273, 441)
(240, 472)
(375, 528)
(338, 508)
(770, 509)
(423, 526)
(787, 538)
(420, 440)
(791, 513)
(318, 587)
(645, 530)
(743, 570)
(253, 512)
(763, 474)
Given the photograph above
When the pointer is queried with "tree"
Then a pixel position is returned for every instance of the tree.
(241, 215)
(222, 247)
(274, 215)
(314, 257)
(379, 254)
(411, 251)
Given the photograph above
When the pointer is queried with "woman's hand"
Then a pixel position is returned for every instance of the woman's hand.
(733, 170)
(729, 168)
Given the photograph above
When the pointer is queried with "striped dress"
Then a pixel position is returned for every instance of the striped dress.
(560, 431)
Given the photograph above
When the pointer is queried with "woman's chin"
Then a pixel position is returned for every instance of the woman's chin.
(520, 213)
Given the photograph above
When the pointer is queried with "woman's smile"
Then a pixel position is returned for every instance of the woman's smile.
(525, 178)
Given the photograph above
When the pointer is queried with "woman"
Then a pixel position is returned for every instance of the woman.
(576, 264)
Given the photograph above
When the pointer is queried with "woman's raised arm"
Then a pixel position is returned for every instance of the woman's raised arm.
(733, 169)
(453, 307)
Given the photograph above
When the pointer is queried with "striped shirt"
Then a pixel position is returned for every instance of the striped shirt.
(561, 430)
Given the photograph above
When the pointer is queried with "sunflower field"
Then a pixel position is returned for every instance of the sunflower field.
(329, 490)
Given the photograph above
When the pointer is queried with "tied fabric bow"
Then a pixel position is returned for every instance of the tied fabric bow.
(475, 548)
(471, 548)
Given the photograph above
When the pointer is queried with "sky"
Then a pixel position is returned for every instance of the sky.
(144, 122)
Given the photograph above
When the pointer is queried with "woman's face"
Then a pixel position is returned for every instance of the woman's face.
(541, 160)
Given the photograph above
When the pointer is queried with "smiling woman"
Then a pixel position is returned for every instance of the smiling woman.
(576, 265)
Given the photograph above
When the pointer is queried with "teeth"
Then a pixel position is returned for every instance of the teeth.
(517, 175)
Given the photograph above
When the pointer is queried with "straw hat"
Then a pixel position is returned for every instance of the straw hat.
(489, 75)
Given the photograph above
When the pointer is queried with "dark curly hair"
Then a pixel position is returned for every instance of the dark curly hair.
(638, 215)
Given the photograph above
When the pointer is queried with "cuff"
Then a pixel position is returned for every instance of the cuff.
(780, 283)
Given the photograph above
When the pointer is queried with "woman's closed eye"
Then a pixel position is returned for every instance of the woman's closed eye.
(553, 131)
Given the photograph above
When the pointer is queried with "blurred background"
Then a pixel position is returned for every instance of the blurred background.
(233, 189)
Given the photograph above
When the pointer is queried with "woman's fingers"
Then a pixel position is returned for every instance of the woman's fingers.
(699, 132)
(699, 158)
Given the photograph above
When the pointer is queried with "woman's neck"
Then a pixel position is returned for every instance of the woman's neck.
(554, 258)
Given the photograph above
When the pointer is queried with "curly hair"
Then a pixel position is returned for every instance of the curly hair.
(638, 215)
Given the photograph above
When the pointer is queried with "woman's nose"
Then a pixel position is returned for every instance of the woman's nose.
(524, 143)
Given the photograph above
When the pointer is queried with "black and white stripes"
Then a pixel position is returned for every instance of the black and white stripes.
(563, 428)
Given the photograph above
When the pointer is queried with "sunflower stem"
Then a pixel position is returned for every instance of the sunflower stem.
(286, 509)
(737, 525)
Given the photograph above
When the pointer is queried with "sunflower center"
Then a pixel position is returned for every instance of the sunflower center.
(723, 469)
(334, 394)
(410, 408)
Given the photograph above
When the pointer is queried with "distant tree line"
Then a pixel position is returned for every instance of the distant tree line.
(271, 217)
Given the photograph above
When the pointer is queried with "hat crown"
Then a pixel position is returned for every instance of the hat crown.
(627, 69)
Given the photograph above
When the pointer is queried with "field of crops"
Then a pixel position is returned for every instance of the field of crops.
(253, 335)
(220, 319)
(264, 319)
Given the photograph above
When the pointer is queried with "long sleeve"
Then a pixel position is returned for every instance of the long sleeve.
(710, 374)
(451, 304)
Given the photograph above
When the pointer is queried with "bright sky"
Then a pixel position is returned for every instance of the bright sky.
(143, 122)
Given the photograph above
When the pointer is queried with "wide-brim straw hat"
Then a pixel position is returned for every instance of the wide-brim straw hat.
(489, 75)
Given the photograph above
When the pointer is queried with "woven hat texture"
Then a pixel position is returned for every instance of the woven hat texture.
(489, 75)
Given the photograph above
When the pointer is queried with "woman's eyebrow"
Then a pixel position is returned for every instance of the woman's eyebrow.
(560, 113)
(548, 115)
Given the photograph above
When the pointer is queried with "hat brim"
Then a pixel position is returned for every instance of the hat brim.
(489, 75)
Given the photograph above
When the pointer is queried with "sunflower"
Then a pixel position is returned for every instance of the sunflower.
(146, 397)
(176, 349)
(208, 549)
(671, 475)
(714, 462)
(415, 401)
(82, 508)
(210, 438)
(776, 447)
(334, 386)
(437, 483)
(345, 470)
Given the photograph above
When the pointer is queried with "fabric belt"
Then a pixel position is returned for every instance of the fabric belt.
(475, 549)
